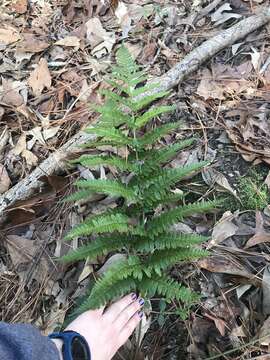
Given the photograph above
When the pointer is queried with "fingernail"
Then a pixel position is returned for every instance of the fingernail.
(133, 296)
(141, 301)
(140, 313)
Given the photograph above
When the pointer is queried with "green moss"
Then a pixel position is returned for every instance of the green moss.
(252, 191)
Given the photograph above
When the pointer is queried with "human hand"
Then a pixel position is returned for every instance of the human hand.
(106, 331)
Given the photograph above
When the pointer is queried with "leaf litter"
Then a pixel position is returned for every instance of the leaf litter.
(54, 57)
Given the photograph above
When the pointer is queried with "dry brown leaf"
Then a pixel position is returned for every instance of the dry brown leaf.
(20, 146)
(218, 264)
(19, 6)
(40, 78)
(86, 271)
(31, 159)
(222, 14)
(101, 41)
(69, 41)
(2, 111)
(4, 137)
(22, 252)
(123, 17)
(4, 180)
(8, 35)
(238, 331)
(261, 236)
(264, 334)
(208, 88)
(112, 260)
(266, 291)
(11, 92)
(223, 229)
(211, 176)
(267, 180)
(219, 323)
(31, 43)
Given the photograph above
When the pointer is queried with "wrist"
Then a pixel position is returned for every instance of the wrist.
(71, 345)
(59, 345)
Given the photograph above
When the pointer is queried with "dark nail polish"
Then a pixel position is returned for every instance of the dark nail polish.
(133, 296)
(140, 313)
(141, 302)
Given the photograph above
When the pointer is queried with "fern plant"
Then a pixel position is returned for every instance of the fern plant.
(143, 185)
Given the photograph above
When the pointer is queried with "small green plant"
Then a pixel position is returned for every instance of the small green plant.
(252, 192)
(141, 225)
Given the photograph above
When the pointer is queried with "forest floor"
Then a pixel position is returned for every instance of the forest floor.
(54, 56)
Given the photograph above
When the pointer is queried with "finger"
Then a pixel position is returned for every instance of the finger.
(129, 327)
(115, 309)
(128, 313)
(100, 311)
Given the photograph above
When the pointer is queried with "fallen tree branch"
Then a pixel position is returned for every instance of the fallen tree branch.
(26, 187)
(209, 48)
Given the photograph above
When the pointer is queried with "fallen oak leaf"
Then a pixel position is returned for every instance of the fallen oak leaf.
(9, 36)
(22, 252)
(219, 323)
(211, 176)
(30, 43)
(40, 78)
(30, 158)
(69, 41)
(223, 229)
(11, 92)
(19, 6)
(260, 236)
(4, 179)
(222, 265)
(101, 41)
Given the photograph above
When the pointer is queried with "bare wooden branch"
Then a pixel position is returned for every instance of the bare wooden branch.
(173, 77)
(209, 48)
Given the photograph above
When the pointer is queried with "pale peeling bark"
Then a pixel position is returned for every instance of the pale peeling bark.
(173, 77)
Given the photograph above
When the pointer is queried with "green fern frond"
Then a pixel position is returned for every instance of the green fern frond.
(78, 195)
(152, 113)
(161, 223)
(118, 99)
(110, 285)
(112, 292)
(111, 114)
(161, 198)
(168, 177)
(113, 160)
(168, 241)
(117, 85)
(112, 135)
(100, 224)
(163, 155)
(153, 136)
(162, 259)
(109, 187)
(100, 143)
(143, 89)
(132, 80)
(98, 247)
(125, 60)
(143, 187)
(168, 288)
